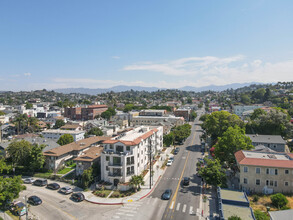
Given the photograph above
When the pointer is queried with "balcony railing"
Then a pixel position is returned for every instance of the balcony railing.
(115, 174)
(115, 164)
(130, 174)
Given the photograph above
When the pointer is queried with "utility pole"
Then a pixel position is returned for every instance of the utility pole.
(150, 155)
(26, 209)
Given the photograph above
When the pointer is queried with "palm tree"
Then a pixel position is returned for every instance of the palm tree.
(136, 181)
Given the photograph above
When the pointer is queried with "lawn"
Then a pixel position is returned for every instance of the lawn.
(43, 175)
(64, 171)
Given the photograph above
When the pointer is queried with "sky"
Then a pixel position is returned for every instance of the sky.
(162, 43)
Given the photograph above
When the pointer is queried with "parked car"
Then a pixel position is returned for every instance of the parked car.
(186, 181)
(40, 182)
(53, 186)
(176, 151)
(167, 194)
(172, 159)
(78, 197)
(18, 208)
(29, 180)
(66, 190)
(169, 163)
(34, 200)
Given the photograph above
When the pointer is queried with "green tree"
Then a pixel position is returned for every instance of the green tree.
(256, 113)
(59, 123)
(233, 140)
(4, 166)
(189, 100)
(168, 139)
(279, 200)
(2, 113)
(36, 158)
(106, 115)
(94, 131)
(259, 215)
(136, 181)
(128, 107)
(218, 122)
(28, 105)
(65, 139)
(9, 190)
(181, 132)
(112, 111)
(87, 177)
(245, 99)
(19, 152)
(212, 173)
(193, 115)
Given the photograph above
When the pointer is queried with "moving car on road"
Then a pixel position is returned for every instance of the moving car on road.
(167, 194)
(40, 182)
(77, 197)
(53, 186)
(66, 190)
(186, 181)
(34, 200)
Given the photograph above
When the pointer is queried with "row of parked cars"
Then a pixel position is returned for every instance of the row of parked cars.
(78, 197)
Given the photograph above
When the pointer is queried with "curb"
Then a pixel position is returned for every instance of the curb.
(100, 203)
(151, 189)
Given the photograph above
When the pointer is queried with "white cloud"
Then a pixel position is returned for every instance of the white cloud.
(116, 57)
(202, 71)
(27, 74)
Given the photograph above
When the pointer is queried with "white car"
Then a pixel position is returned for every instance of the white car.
(169, 163)
(29, 180)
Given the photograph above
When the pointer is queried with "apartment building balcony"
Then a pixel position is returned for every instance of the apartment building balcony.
(115, 175)
(115, 165)
(117, 153)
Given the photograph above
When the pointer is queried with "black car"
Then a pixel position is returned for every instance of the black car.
(40, 182)
(186, 181)
(34, 200)
(176, 151)
(167, 194)
(53, 186)
(78, 197)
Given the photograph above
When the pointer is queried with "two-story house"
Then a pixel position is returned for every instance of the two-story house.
(274, 142)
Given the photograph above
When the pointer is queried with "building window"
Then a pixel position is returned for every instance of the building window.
(267, 183)
(276, 171)
(107, 168)
(286, 183)
(245, 169)
(276, 183)
(257, 182)
(267, 171)
(271, 183)
(286, 171)
(257, 170)
(128, 148)
(245, 181)
(107, 158)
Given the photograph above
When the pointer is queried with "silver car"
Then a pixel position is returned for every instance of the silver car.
(66, 190)
(28, 180)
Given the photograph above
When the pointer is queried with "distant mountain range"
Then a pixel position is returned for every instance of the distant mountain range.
(151, 89)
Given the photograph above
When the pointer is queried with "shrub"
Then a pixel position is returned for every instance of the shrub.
(255, 198)
(279, 200)
(259, 215)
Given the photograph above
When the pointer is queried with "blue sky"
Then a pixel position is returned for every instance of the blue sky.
(164, 43)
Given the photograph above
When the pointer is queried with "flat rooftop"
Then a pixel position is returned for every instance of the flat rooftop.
(57, 131)
(243, 212)
(233, 195)
(270, 139)
(265, 155)
(134, 134)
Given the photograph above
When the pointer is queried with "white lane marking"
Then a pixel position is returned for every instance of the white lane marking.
(178, 207)
(183, 158)
(116, 216)
(184, 208)
(128, 211)
(129, 215)
(190, 210)
(172, 205)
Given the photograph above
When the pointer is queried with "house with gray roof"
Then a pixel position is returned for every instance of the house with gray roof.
(274, 142)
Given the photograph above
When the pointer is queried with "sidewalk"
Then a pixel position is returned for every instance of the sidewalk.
(145, 189)
(209, 207)
(5, 216)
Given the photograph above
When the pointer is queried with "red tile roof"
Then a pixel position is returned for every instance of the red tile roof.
(135, 141)
(241, 159)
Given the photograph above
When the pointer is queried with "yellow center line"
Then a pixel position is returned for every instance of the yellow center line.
(178, 185)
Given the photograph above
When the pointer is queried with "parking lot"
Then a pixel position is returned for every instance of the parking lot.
(59, 206)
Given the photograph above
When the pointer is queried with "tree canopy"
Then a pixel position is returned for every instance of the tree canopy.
(212, 173)
(59, 123)
(181, 132)
(65, 139)
(168, 139)
(94, 131)
(232, 140)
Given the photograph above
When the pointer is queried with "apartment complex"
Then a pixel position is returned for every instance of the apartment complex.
(55, 134)
(85, 113)
(128, 154)
(274, 142)
(265, 172)
(152, 112)
(185, 113)
(240, 109)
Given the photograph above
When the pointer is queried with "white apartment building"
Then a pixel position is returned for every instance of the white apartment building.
(55, 134)
(239, 109)
(128, 154)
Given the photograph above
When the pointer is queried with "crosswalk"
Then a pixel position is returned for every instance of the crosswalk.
(184, 208)
(128, 211)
